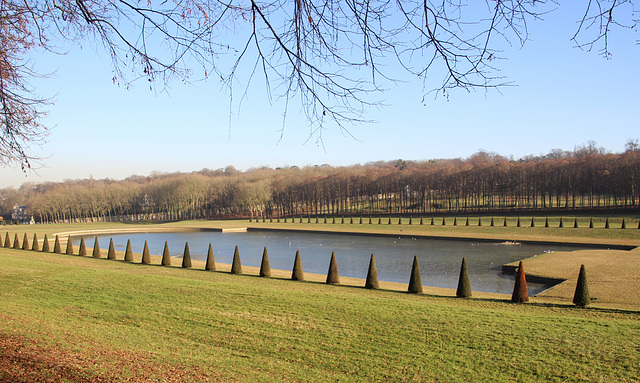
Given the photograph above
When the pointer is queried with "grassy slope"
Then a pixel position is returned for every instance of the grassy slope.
(244, 328)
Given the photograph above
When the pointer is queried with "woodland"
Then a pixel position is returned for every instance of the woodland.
(587, 178)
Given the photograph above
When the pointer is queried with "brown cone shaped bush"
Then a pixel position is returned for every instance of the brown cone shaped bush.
(146, 257)
(35, 246)
(83, 249)
(372, 274)
(520, 291)
(7, 239)
(332, 274)
(69, 249)
(211, 263)
(16, 242)
(111, 253)
(236, 265)
(415, 282)
(166, 257)
(128, 253)
(96, 249)
(56, 246)
(45, 244)
(581, 296)
(186, 257)
(265, 267)
(25, 242)
(464, 286)
(297, 274)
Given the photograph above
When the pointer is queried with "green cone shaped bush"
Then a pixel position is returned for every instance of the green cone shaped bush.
(146, 257)
(35, 246)
(186, 257)
(415, 282)
(128, 253)
(590, 223)
(581, 296)
(211, 263)
(25, 242)
(45, 244)
(455, 221)
(464, 285)
(623, 225)
(518, 222)
(467, 222)
(444, 221)
(236, 265)
(432, 221)
(575, 223)
(56, 246)
(491, 224)
(372, 274)
(16, 242)
(96, 249)
(533, 224)
(265, 266)
(69, 249)
(1, 242)
(111, 253)
(297, 274)
(7, 239)
(479, 221)
(332, 274)
(561, 224)
(505, 222)
(520, 290)
(83, 249)
(546, 222)
(166, 256)
(606, 223)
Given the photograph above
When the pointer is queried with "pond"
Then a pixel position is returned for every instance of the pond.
(439, 259)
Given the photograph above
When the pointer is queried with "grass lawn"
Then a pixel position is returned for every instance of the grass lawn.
(70, 318)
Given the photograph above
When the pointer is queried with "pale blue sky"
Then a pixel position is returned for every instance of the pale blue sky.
(562, 97)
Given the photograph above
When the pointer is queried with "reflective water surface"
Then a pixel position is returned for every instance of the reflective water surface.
(439, 259)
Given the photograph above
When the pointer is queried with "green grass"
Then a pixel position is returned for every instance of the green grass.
(250, 329)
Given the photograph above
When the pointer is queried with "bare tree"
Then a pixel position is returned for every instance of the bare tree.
(330, 57)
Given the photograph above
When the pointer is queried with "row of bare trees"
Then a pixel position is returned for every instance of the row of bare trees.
(483, 182)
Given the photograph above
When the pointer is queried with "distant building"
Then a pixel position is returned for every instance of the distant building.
(20, 215)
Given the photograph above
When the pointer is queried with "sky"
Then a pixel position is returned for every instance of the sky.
(561, 97)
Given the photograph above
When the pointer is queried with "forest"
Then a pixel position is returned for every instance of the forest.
(587, 178)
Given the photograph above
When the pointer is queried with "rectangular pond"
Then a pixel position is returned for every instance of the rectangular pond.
(439, 259)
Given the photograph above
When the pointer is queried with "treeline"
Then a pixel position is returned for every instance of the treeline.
(587, 178)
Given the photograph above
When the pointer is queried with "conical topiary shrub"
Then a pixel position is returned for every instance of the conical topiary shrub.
(444, 221)
(455, 221)
(146, 257)
(297, 274)
(389, 223)
(464, 285)
(380, 222)
(16, 242)
(111, 253)
(7, 239)
(590, 223)
(432, 221)
(211, 263)
(265, 266)
(45, 244)
(96, 249)
(236, 265)
(415, 282)
(491, 224)
(372, 274)
(25, 242)
(623, 225)
(35, 246)
(166, 256)
(606, 223)
(533, 224)
(467, 222)
(370, 220)
(128, 253)
(546, 222)
(332, 274)
(69, 249)
(581, 296)
(1, 242)
(82, 251)
(518, 222)
(505, 222)
(479, 221)
(520, 291)
(56, 246)
(186, 257)
(575, 223)
(561, 224)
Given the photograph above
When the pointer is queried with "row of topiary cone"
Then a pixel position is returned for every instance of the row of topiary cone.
(561, 223)
(520, 290)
